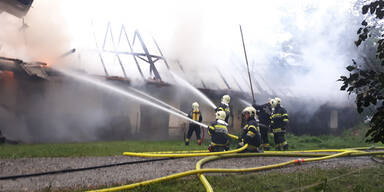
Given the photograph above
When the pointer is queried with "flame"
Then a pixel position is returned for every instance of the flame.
(6, 75)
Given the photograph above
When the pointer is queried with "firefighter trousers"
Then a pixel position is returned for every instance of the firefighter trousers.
(193, 128)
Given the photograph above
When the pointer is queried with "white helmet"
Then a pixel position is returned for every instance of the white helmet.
(270, 101)
(195, 106)
(278, 100)
(250, 110)
(274, 102)
(220, 115)
(226, 99)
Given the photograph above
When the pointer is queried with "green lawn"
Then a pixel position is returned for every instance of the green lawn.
(90, 149)
(351, 138)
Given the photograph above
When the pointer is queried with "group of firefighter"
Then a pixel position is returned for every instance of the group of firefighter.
(258, 122)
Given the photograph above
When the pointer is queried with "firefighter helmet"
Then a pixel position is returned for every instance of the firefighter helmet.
(226, 99)
(220, 115)
(195, 106)
(270, 101)
(274, 103)
(278, 100)
(250, 110)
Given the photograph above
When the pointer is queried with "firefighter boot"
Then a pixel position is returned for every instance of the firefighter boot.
(186, 141)
(285, 147)
(266, 147)
(278, 147)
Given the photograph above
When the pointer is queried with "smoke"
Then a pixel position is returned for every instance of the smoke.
(62, 111)
(40, 36)
(295, 49)
(57, 110)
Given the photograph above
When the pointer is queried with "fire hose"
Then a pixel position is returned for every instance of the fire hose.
(317, 155)
(193, 154)
(81, 169)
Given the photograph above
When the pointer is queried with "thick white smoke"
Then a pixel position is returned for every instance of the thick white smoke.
(299, 46)
(295, 48)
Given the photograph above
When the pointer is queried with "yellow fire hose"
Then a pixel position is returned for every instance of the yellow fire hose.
(208, 187)
(308, 153)
(170, 152)
(207, 153)
(200, 171)
(233, 136)
(146, 154)
(204, 152)
(184, 154)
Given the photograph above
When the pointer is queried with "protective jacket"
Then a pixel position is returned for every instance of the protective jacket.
(251, 133)
(195, 115)
(193, 127)
(279, 119)
(219, 133)
(224, 107)
(264, 113)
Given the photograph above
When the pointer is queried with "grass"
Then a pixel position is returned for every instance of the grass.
(351, 138)
(89, 149)
(333, 180)
(336, 179)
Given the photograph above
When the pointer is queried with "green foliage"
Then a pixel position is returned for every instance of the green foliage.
(367, 80)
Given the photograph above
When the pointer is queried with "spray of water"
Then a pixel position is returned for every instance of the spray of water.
(120, 91)
(193, 89)
(245, 102)
(158, 100)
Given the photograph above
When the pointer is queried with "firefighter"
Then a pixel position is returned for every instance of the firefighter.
(264, 112)
(193, 127)
(251, 131)
(224, 106)
(219, 133)
(279, 123)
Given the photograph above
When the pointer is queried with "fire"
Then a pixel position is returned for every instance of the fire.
(6, 75)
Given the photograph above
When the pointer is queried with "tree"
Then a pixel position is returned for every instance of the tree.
(366, 78)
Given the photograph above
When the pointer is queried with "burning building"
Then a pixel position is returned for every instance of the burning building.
(41, 104)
